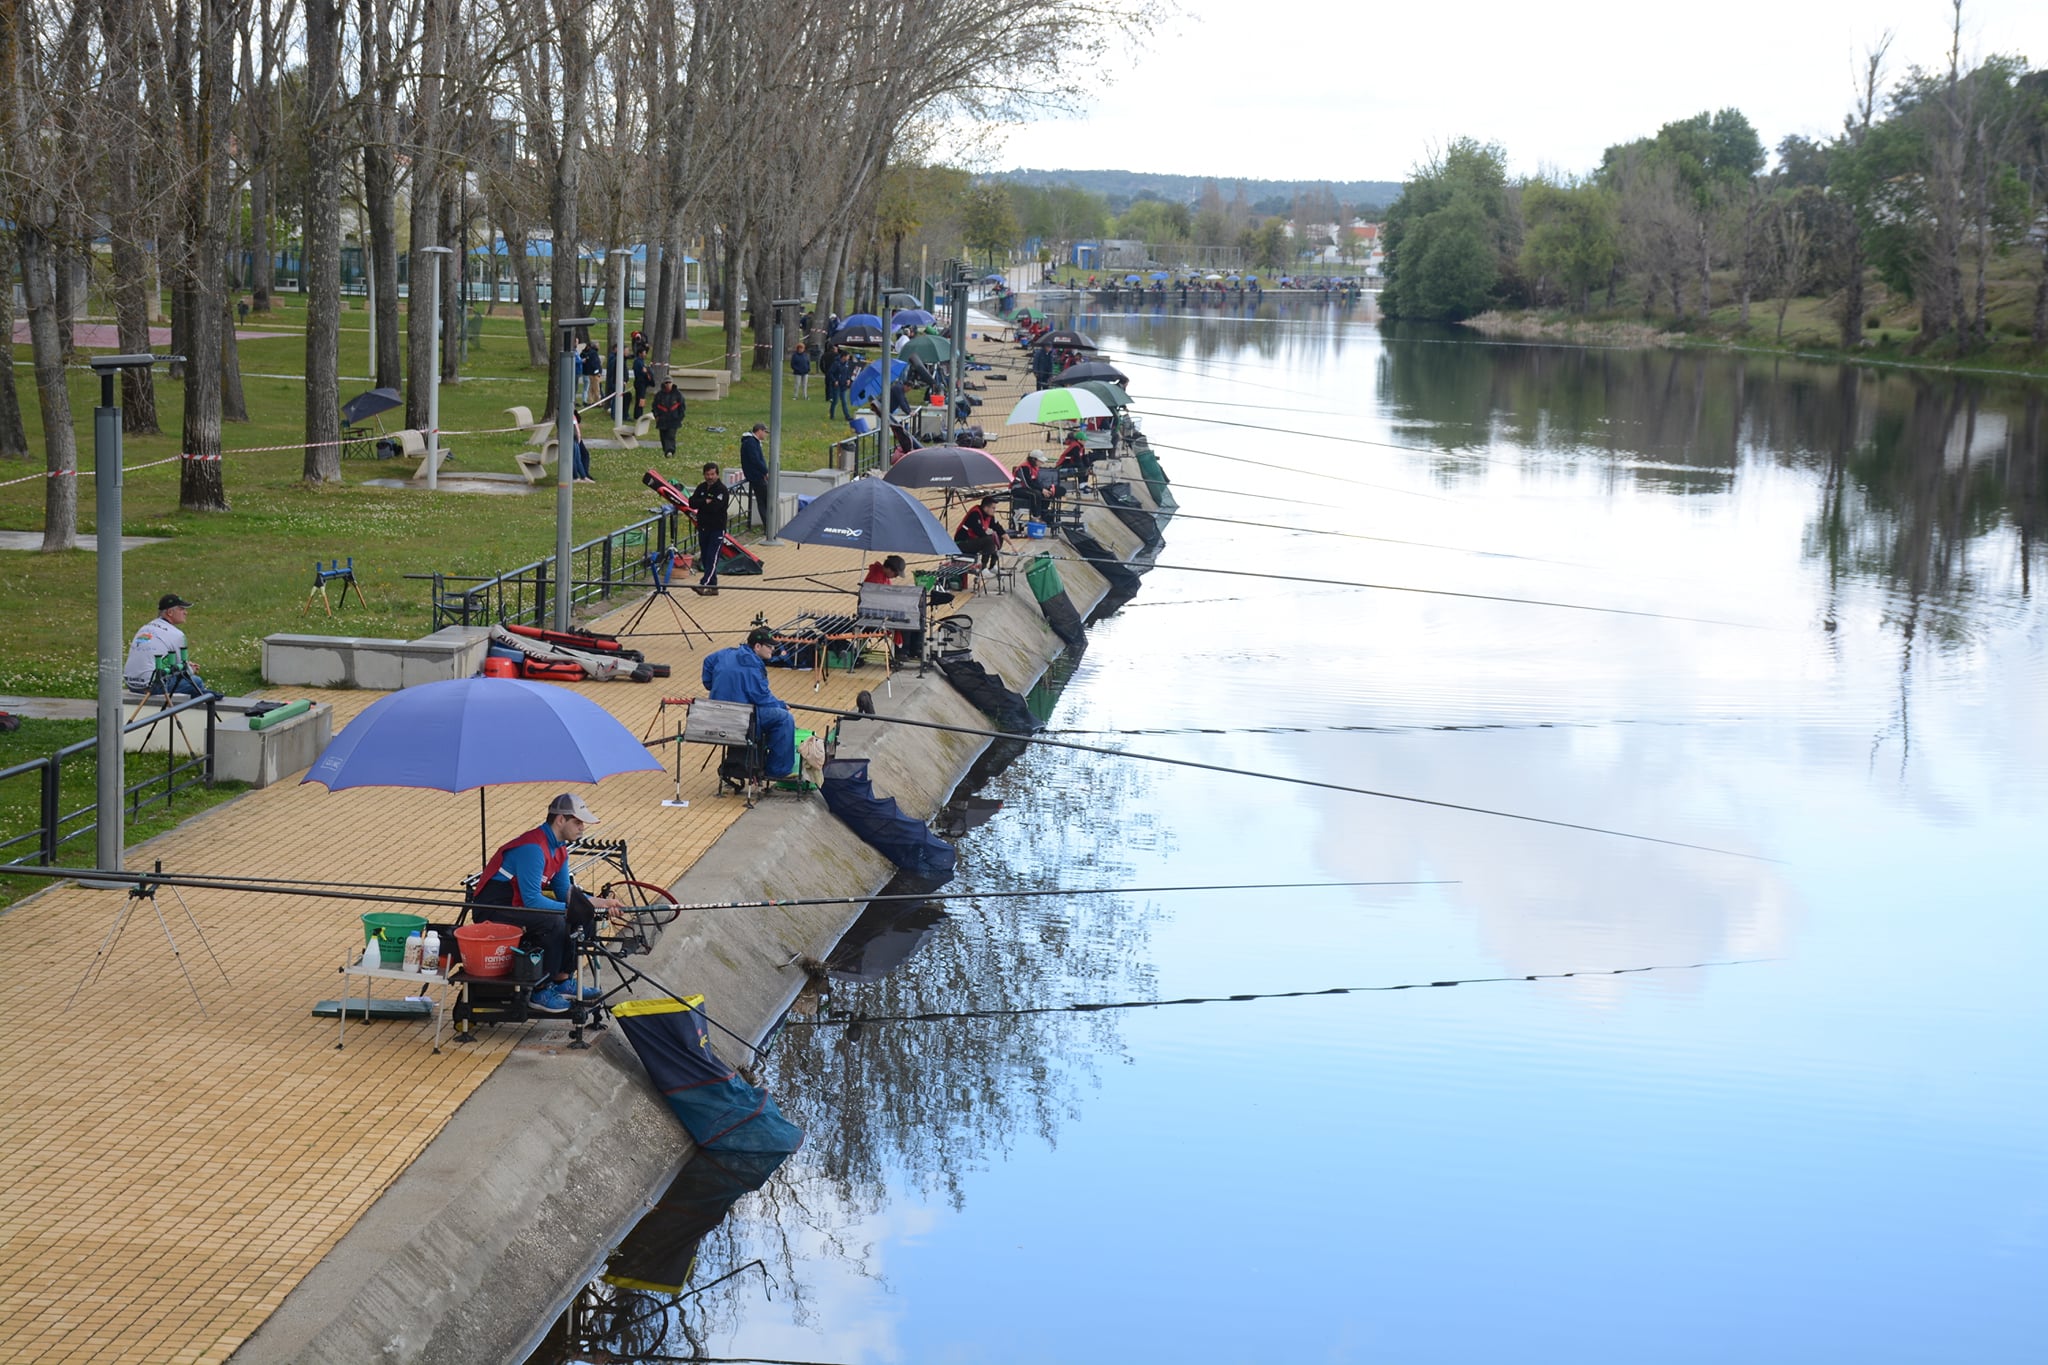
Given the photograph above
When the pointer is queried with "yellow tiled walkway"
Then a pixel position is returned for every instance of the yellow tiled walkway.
(173, 1174)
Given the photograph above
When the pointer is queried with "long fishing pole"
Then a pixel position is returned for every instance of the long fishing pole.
(1178, 515)
(1281, 777)
(277, 886)
(1441, 592)
(856, 1021)
(1296, 469)
(1437, 451)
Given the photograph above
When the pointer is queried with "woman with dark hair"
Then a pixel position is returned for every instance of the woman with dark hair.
(980, 534)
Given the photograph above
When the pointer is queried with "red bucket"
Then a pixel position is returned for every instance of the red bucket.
(500, 668)
(486, 949)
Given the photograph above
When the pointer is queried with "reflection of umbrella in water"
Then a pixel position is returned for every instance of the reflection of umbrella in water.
(1161, 275)
(1056, 405)
(451, 736)
(369, 405)
(947, 467)
(870, 515)
(1090, 369)
(1131, 279)
(883, 939)
(868, 383)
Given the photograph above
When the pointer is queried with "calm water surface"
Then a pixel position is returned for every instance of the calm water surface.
(1830, 1151)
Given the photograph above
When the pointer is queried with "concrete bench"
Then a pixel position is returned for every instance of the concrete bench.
(629, 433)
(707, 384)
(240, 754)
(361, 661)
(412, 445)
(534, 460)
(537, 433)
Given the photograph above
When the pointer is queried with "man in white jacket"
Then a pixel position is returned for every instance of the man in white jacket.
(157, 662)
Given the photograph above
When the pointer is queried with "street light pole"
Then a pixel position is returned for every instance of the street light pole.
(620, 255)
(771, 514)
(434, 374)
(106, 462)
(565, 460)
(958, 288)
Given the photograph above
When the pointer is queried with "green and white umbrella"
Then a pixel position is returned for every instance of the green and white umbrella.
(1057, 405)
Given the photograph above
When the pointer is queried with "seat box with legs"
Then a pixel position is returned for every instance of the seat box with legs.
(730, 726)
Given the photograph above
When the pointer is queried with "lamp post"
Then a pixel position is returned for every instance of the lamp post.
(772, 512)
(434, 374)
(106, 462)
(620, 255)
(565, 459)
(958, 287)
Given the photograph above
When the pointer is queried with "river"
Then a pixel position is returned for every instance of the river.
(1777, 1090)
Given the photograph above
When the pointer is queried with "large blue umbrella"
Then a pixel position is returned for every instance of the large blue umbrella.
(476, 733)
(868, 383)
(868, 514)
(992, 279)
(910, 317)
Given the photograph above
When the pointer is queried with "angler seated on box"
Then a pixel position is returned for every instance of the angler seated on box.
(741, 674)
(526, 883)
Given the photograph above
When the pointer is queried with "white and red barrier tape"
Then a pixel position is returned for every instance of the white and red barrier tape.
(238, 450)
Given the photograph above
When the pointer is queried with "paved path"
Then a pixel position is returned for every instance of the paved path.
(174, 1170)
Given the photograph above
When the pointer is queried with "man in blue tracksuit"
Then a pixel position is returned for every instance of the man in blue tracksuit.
(741, 674)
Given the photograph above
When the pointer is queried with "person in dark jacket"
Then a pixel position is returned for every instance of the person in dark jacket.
(800, 369)
(740, 674)
(838, 382)
(669, 408)
(1042, 365)
(980, 533)
(709, 500)
(754, 465)
(642, 382)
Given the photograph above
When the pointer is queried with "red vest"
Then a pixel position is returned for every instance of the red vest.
(553, 858)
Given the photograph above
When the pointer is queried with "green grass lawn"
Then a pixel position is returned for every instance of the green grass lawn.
(247, 570)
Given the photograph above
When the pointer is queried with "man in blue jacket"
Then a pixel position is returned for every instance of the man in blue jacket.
(754, 465)
(527, 883)
(741, 674)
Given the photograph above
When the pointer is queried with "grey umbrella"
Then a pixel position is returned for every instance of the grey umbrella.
(870, 515)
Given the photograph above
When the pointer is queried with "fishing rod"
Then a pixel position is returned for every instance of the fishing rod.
(1442, 592)
(1282, 777)
(1295, 469)
(278, 886)
(1354, 535)
(857, 1021)
(1437, 451)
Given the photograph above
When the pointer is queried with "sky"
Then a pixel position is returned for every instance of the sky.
(1320, 89)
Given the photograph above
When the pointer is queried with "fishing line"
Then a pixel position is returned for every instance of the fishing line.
(1437, 451)
(1255, 407)
(1448, 592)
(1097, 1006)
(1472, 727)
(1282, 777)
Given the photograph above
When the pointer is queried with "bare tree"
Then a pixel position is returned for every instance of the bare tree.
(324, 122)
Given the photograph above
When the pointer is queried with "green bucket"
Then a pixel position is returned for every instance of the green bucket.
(389, 931)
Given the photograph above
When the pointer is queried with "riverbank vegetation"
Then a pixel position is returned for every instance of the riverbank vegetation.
(1920, 230)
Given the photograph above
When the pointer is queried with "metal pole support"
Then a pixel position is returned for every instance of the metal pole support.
(565, 462)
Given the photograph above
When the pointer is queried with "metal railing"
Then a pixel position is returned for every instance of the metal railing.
(57, 827)
(525, 595)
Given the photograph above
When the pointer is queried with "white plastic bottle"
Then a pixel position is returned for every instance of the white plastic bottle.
(430, 952)
(412, 952)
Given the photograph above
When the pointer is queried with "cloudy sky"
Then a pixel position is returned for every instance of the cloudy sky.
(1318, 89)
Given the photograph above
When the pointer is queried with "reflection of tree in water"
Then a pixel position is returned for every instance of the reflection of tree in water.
(1917, 470)
(1295, 335)
(891, 1110)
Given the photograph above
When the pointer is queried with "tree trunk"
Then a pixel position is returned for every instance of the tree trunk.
(13, 436)
(735, 249)
(451, 288)
(566, 186)
(262, 252)
(234, 407)
(380, 197)
(60, 440)
(64, 282)
(201, 487)
(523, 279)
(425, 217)
(322, 266)
(131, 272)
(2040, 329)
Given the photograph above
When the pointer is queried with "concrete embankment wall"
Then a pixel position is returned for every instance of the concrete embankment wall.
(468, 1255)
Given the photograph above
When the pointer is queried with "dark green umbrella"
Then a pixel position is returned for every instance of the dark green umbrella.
(1111, 394)
(929, 349)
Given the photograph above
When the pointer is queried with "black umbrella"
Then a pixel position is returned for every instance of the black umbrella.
(947, 467)
(369, 405)
(1065, 339)
(858, 334)
(1090, 369)
(869, 514)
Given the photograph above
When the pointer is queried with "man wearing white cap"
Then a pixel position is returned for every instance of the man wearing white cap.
(527, 883)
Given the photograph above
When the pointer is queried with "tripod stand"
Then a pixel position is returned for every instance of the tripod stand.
(173, 682)
(662, 567)
(146, 891)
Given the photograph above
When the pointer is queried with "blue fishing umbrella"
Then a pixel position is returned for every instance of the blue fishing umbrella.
(910, 317)
(868, 383)
(868, 514)
(861, 320)
(1160, 275)
(992, 279)
(479, 732)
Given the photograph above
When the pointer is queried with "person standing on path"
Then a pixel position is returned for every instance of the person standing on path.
(838, 381)
(710, 500)
(669, 408)
(754, 466)
(800, 369)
